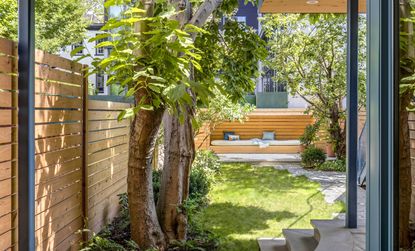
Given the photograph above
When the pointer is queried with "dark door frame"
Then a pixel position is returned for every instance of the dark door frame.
(383, 135)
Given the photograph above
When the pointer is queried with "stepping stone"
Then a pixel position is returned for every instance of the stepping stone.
(272, 244)
(300, 239)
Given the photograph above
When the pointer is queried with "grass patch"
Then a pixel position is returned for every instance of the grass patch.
(249, 202)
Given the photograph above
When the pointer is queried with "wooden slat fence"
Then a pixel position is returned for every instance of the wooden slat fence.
(81, 153)
(107, 161)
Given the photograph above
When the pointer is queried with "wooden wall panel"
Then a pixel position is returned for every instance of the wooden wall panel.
(107, 161)
(59, 151)
(8, 144)
(62, 152)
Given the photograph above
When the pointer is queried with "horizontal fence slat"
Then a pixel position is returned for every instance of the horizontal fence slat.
(6, 46)
(6, 205)
(107, 105)
(5, 171)
(108, 153)
(5, 188)
(6, 64)
(57, 171)
(5, 223)
(105, 134)
(6, 81)
(107, 143)
(6, 240)
(105, 188)
(52, 218)
(52, 116)
(45, 72)
(53, 239)
(44, 200)
(55, 185)
(106, 173)
(108, 124)
(6, 134)
(52, 88)
(57, 143)
(98, 166)
(57, 157)
(5, 117)
(6, 99)
(42, 57)
(49, 130)
(45, 101)
(5, 153)
(103, 115)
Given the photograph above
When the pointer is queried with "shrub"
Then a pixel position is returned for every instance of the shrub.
(333, 165)
(312, 157)
(204, 167)
(310, 134)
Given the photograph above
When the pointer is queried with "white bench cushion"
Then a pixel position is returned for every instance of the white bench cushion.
(253, 142)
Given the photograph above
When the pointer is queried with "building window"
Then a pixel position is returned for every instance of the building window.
(269, 84)
(100, 82)
(100, 50)
(240, 19)
(79, 53)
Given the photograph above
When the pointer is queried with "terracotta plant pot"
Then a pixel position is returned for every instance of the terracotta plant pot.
(329, 150)
(301, 148)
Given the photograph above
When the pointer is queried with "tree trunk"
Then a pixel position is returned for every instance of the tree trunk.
(405, 178)
(145, 227)
(174, 190)
(337, 133)
(405, 175)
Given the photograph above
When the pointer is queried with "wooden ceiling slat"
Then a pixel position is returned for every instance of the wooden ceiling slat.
(301, 6)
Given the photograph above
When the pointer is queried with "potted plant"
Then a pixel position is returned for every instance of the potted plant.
(329, 149)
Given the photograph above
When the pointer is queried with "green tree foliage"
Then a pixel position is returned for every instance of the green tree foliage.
(220, 109)
(308, 53)
(163, 73)
(58, 22)
(224, 61)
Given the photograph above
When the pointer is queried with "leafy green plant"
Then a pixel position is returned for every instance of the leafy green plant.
(98, 243)
(312, 157)
(310, 134)
(333, 165)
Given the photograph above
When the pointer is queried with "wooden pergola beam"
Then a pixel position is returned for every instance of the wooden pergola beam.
(308, 6)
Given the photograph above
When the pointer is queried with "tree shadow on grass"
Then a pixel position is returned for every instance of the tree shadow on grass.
(226, 218)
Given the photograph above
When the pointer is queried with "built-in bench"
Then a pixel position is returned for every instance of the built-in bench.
(255, 146)
(287, 124)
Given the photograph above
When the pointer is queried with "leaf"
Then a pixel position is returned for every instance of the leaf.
(98, 37)
(134, 10)
(127, 113)
(76, 50)
(105, 44)
(193, 28)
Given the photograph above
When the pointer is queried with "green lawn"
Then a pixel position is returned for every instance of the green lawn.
(248, 202)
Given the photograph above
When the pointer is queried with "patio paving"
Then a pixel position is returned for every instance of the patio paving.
(259, 157)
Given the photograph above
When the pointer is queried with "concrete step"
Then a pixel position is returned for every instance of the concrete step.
(300, 239)
(272, 244)
(332, 234)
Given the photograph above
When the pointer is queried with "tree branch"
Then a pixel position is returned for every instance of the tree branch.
(204, 11)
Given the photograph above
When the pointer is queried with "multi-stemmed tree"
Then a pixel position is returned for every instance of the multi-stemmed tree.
(171, 56)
